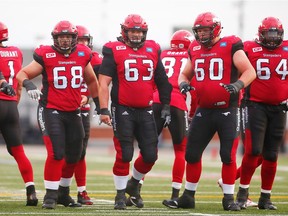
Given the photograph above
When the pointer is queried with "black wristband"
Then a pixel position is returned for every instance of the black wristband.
(239, 84)
(104, 111)
(29, 85)
(96, 101)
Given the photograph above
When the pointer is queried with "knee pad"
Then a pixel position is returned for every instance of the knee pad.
(151, 157)
(127, 154)
(270, 156)
(191, 156)
(225, 158)
(256, 152)
(72, 158)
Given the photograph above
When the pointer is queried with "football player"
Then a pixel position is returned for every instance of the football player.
(221, 69)
(63, 66)
(134, 66)
(84, 37)
(11, 60)
(264, 113)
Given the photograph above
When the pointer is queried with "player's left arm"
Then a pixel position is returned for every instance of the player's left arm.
(93, 85)
(91, 81)
(163, 85)
(245, 68)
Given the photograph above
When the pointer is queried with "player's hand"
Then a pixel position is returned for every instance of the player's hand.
(7, 89)
(185, 87)
(166, 114)
(189, 120)
(233, 88)
(34, 94)
(84, 100)
(105, 117)
(32, 90)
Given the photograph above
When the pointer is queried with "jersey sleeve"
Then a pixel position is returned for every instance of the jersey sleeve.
(237, 44)
(162, 83)
(38, 57)
(108, 66)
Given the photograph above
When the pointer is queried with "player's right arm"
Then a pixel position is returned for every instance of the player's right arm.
(187, 73)
(24, 76)
(104, 82)
(29, 72)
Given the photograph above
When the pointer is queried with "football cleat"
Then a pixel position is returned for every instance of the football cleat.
(32, 200)
(120, 202)
(49, 204)
(83, 198)
(134, 194)
(229, 204)
(65, 199)
(265, 202)
(242, 197)
(50, 198)
(128, 202)
(184, 201)
(250, 203)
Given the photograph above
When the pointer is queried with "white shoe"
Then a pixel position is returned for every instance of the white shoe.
(250, 203)
(220, 183)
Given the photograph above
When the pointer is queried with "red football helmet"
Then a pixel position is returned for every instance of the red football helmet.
(205, 20)
(85, 34)
(270, 33)
(181, 39)
(3, 32)
(64, 28)
(134, 22)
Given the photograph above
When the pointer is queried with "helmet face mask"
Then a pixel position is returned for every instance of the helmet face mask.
(135, 37)
(181, 39)
(206, 22)
(204, 35)
(64, 41)
(132, 24)
(270, 33)
(65, 37)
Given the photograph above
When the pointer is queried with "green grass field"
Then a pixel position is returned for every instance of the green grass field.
(157, 187)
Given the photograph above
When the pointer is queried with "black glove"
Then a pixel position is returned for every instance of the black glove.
(233, 88)
(166, 115)
(185, 87)
(7, 89)
(97, 105)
